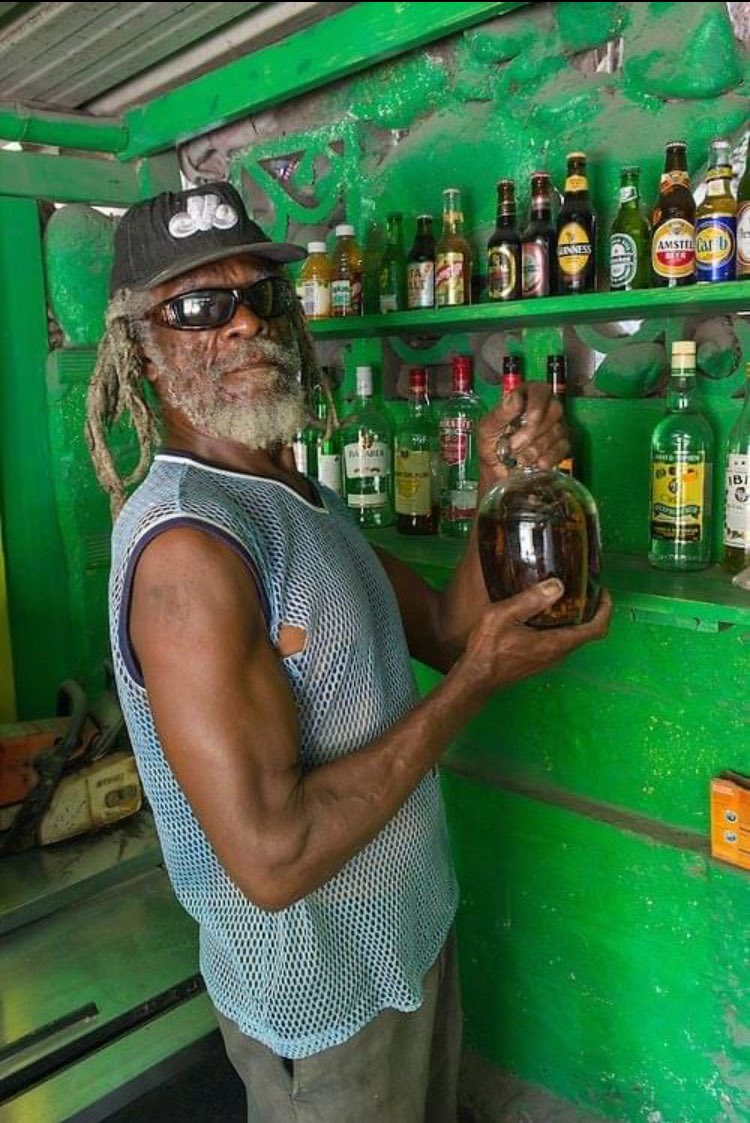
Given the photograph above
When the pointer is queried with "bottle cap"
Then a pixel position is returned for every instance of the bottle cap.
(420, 216)
(418, 377)
(683, 347)
(316, 247)
(344, 229)
(676, 144)
(576, 156)
(364, 382)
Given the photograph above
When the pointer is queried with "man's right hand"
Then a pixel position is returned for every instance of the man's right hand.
(502, 649)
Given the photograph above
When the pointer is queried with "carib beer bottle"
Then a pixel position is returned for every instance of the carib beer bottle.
(673, 223)
(576, 232)
(716, 220)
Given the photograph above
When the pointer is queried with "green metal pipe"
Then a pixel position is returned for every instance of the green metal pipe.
(62, 130)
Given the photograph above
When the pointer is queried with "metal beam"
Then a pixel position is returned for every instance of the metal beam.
(360, 37)
(62, 130)
(68, 179)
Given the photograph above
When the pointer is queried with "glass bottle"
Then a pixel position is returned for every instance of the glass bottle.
(452, 255)
(682, 453)
(392, 272)
(535, 525)
(504, 247)
(673, 223)
(557, 377)
(539, 242)
(366, 446)
(576, 231)
(630, 238)
(716, 220)
(346, 274)
(420, 266)
(512, 377)
(459, 452)
(327, 443)
(414, 455)
(304, 447)
(314, 282)
(737, 493)
(743, 220)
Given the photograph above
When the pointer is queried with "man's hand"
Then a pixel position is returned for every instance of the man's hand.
(532, 422)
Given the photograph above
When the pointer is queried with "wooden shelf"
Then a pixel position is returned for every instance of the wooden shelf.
(730, 296)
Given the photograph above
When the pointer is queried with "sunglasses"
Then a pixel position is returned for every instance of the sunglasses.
(212, 308)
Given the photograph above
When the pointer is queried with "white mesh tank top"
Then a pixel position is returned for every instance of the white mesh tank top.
(307, 977)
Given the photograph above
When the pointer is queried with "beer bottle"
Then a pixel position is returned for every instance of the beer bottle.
(630, 238)
(673, 223)
(504, 248)
(452, 255)
(743, 221)
(576, 231)
(716, 220)
(392, 272)
(420, 265)
(538, 242)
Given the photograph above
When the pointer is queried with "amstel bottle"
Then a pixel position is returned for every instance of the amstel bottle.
(576, 231)
(716, 220)
(673, 223)
(504, 247)
(452, 255)
(630, 238)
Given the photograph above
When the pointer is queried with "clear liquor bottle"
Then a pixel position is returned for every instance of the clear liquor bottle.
(459, 452)
(366, 440)
(415, 458)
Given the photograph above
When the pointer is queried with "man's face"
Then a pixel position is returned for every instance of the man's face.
(237, 382)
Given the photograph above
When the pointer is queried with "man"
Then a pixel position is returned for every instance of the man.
(262, 656)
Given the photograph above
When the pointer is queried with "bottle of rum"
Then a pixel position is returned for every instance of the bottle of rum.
(539, 242)
(504, 247)
(459, 453)
(366, 445)
(392, 272)
(420, 266)
(682, 454)
(673, 223)
(415, 462)
(716, 220)
(737, 489)
(452, 255)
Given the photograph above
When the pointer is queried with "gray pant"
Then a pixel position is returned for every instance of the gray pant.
(400, 1068)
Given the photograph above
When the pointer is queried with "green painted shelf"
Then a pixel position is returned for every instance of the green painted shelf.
(731, 296)
(705, 601)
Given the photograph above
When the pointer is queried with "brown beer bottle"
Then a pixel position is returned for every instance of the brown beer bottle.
(576, 232)
(504, 247)
(452, 255)
(673, 223)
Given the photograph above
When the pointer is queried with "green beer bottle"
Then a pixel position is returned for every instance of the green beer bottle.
(630, 238)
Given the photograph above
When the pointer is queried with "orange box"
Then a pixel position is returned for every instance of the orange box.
(730, 819)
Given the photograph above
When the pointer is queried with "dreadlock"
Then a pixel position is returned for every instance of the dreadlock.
(117, 387)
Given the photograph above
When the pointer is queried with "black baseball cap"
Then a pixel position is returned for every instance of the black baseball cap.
(175, 232)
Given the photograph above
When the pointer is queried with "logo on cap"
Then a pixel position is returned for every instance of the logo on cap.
(204, 212)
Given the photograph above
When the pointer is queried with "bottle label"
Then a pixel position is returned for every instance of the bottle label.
(678, 495)
(574, 249)
(367, 459)
(455, 434)
(501, 272)
(413, 482)
(715, 236)
(329, 470)
(535, 269)
(388, 302)
(576, 183)
(623, 261)
(299, 448)
(316, 299)
(346, 296)
(460, 503)
(737, 508)
(743, 239)
(420, 284)
(628, 193)
(672, 179)
(673, 249)
(449, 279)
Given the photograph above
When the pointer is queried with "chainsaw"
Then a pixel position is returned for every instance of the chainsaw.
(68, 775)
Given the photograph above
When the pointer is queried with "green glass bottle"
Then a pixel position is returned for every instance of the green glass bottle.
(630, 238)
(392, 273)
(415, 462)
(366, 446)
(682, 454)
(737, 489)
(327, 444)
(459, 452)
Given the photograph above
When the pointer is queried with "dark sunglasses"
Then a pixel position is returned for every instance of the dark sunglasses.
(212, 308)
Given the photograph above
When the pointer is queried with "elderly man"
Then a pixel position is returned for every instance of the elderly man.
(262, 650)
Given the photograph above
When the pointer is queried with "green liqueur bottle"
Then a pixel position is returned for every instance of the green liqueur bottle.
(459, 453)
(392, 273)
(630, 238)
(682, 453)
(415, 462)
(366, 444)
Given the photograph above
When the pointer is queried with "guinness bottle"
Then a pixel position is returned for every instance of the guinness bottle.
(576, 231)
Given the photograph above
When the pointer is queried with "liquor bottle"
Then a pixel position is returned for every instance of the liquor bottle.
(716, 220)
(415, 462)
(366, 446)
(673, 223)
(743, 220)
(452, 255)
(459, 453)
(737, 482)
(539, 242)
(630, 238)
(327, 444)
(576, 231)
(557, 377)
(504, 247)
(512, 377)
(682, 453)
(420, 266)
(304, 446)
(392, 272)
(314, 283)
(346, 274)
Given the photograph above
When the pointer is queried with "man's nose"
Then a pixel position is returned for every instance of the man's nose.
(245, 323)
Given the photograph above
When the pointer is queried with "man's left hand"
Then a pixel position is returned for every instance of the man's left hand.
(531, 421)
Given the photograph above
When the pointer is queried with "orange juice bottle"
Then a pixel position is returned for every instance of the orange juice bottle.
(346, 274)
(314, 282)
